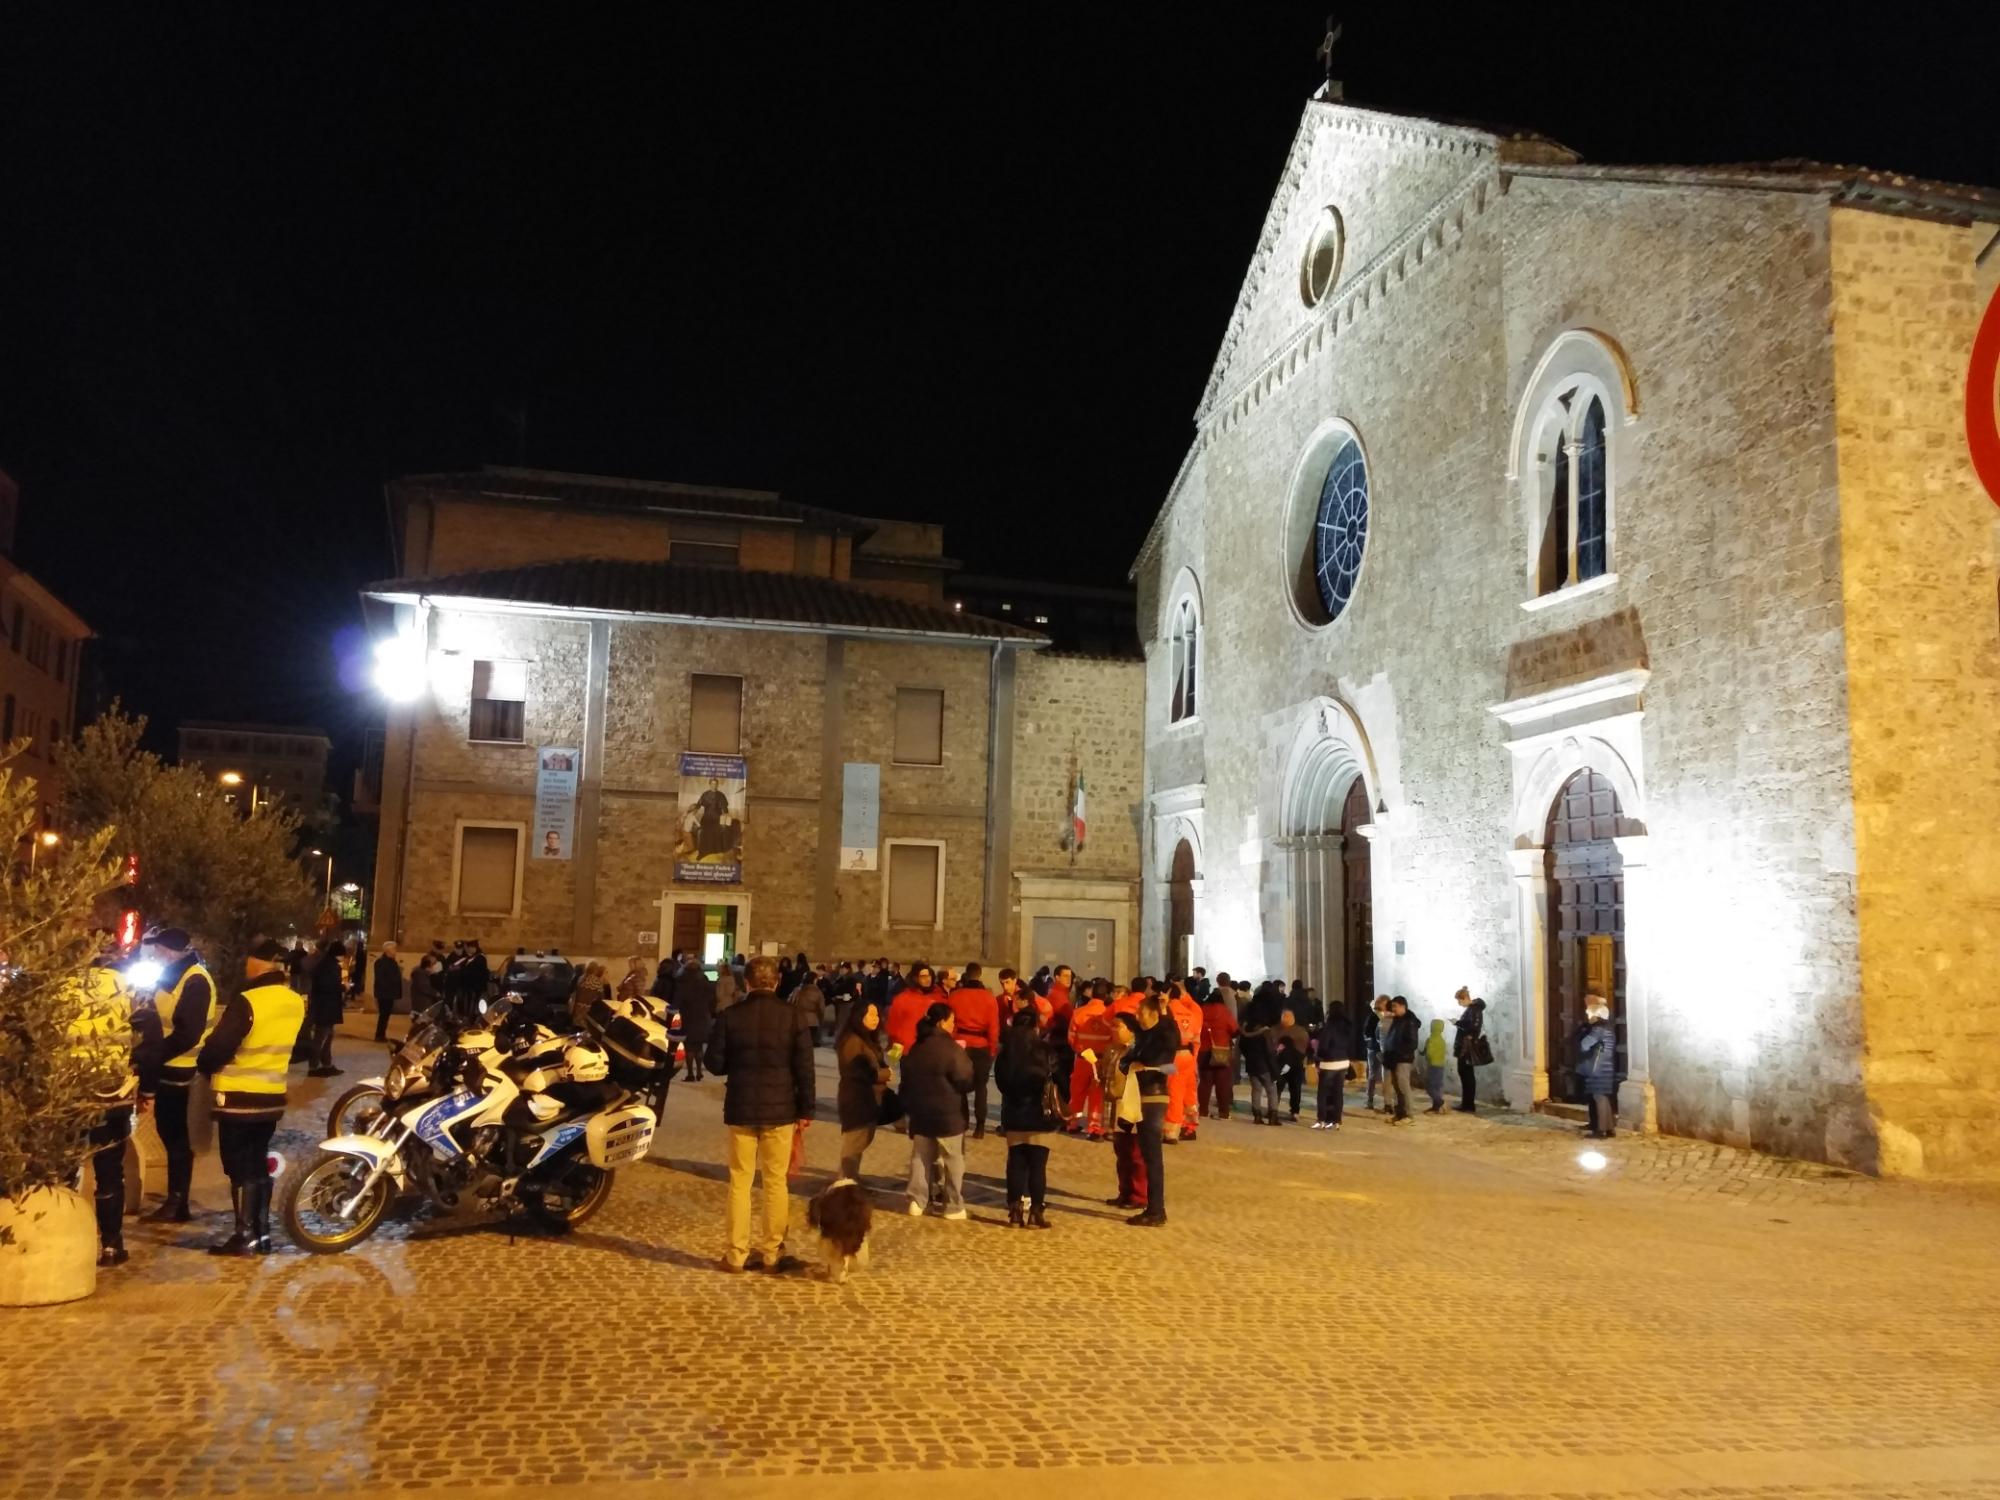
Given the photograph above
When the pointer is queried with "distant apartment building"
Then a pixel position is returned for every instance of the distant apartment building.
(40, 666)
(259, 764)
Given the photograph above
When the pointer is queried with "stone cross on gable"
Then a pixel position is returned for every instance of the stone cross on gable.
(1325, 56)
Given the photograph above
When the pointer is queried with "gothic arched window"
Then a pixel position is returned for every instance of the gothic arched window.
(1184, 640)
(1572, 468)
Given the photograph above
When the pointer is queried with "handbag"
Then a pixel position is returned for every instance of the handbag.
(1052, 1104)
(1482, 1051)
(1312, 1075)
(891, 1108)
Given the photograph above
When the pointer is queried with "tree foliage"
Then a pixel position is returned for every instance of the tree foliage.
(52, 1066)
(226, 878)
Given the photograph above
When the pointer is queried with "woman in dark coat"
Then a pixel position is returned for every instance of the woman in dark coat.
(1155, 1040)
(1471, 1049)
(694, 994)
(1023, 1071)
(864, 1079)
(326, 1002)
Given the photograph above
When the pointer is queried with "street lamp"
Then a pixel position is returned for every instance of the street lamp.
(48, 838)
(316, 854)
(231, 778)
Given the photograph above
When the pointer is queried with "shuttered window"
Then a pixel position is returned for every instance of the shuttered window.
(919, 727)
(499, 701)
(913, 884)
(488, 863)
(715, 714)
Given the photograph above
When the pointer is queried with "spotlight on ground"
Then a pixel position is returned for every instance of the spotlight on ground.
(1593, 1161)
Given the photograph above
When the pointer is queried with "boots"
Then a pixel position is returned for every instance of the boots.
(239, 1242)
(1016, 1219)
(173, 1209)
(259, 1215)
(1038, 1217)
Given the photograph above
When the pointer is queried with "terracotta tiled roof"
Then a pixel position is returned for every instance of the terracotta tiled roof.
(683, 591)
(601, 492)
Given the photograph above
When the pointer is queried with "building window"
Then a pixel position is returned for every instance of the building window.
(499, 701)
(1184, 641)
(486, 870)
(1326, 526)
(919, 727)
(913, 895)
(705, 546)
(1572, 470)
(715, 714)
(1320, 271)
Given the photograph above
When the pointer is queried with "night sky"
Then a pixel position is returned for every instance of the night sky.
(964, 265)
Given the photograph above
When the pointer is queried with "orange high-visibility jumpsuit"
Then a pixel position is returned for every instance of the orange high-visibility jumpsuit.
(1089, 1031)
(1182, 1108)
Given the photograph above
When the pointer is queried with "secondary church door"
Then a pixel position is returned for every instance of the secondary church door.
(1180, 910)
(1357, 909)
(1586, 921)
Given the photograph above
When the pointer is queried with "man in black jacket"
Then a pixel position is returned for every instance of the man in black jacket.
(1400, 1034)
(760, 1045)
(388, 989)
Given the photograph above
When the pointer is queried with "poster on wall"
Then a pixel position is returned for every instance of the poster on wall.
(708, 847)
(555, 801)
(860, 815)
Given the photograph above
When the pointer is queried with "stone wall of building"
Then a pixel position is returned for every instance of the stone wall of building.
(1918, 546)
(1088, 713)
(1741, 937)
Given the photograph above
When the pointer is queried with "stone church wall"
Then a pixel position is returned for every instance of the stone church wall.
(1728, 554)
(1918, 571)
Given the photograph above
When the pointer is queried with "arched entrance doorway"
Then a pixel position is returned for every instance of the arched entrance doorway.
(1357, 907)
(1332, 908)
(1586, 921)
(1180, 909)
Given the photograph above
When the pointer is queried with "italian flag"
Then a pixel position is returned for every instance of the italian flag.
(1076, 814)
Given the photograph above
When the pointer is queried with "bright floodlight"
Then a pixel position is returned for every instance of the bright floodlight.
(231, 778)
(50, 838)
(399, 668)
(144, 974)
(1592, 1161)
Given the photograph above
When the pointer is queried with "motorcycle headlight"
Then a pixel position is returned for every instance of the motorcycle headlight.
(395, 1080)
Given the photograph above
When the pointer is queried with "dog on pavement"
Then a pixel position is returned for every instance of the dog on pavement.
(843, 1217)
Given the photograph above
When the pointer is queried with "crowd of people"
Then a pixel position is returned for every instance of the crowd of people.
(919, 1050)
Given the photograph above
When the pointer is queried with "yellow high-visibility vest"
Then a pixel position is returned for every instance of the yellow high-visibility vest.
(276, 1013)
(108, 1016)
(168, 1003)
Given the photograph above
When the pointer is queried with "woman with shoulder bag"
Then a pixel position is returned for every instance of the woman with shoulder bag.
(1150, 1059)
(864, 1083)
(1031, 1117)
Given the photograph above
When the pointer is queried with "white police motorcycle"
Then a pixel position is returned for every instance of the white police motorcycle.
(510, 1114)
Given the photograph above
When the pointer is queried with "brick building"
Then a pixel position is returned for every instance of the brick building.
(41, 661)
(1578, 580)
(648, 716)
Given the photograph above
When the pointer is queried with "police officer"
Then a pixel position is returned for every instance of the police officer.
(244, 1059)
(113, 1012)
(188, 1006)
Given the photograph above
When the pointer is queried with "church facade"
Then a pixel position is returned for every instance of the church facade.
(1579, 582)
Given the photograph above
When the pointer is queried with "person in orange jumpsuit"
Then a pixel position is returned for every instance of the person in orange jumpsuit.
(1182, 1108)
(1090, 1034)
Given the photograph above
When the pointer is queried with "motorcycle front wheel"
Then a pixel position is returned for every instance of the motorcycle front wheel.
(354, 1111)
(570, 1194)
(312, 1217)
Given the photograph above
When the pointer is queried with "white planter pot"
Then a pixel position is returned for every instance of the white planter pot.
(52, 1256)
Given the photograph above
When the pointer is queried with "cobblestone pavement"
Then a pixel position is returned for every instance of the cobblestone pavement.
(1452, 1308)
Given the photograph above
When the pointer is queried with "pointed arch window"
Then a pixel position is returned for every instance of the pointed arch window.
(1573, 463)
(1184, 641)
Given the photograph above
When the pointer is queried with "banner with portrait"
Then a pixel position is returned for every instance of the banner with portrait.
(555, 801)
(708, 843)
(860, 814)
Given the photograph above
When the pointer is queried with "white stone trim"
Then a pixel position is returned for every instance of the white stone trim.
(697, 895)
(1570, 592)
(937, 914)
(1046, 894)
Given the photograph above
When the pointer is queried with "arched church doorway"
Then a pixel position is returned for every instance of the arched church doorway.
(1357, 908)
(1180, 909)
(1586, 924)
(1333, 928)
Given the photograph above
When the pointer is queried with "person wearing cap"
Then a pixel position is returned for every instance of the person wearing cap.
(244, 1060)
(188, 1006)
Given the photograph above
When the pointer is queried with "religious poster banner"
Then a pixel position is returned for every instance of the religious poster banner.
(1982, 400)
(860, 815)
(708, 849)
(555, 801)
